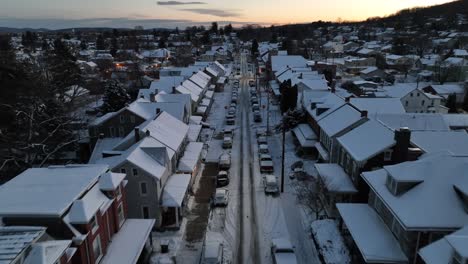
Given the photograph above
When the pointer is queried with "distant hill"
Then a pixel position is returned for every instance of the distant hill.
(82, 29)
(21, 30)
(448, 10)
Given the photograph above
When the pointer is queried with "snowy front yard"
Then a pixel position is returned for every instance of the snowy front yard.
(330, 242)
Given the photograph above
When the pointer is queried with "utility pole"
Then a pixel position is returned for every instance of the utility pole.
(268, 110)
(282, 156)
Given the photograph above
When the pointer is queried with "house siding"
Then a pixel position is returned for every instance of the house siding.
(126, 126)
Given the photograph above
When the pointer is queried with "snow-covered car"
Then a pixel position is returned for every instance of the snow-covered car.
(263, 149)
(221, 197)
(222, 179)
(260, 132)
(255, 107)
(270, 184)
(257, 116)
(266, 163)
(230, 121)
(224, 161)
(227, 142)
(282, 251)
(262, 140)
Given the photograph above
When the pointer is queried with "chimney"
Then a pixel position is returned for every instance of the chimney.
(158, 110)
(364, 113)
(333, 90)
(313, 105)
(152, 97)
(173, 90)
(401, 150)
(347, 99)
(148, 133)
(137, 134)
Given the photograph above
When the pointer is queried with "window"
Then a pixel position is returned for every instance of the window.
(121, 132)
(388, 155)
(97, 250)
(417, 94)
(118, 192)
(423, 102)
(145, 211)
(135, 172)
(122, 119)
(132, 119)
(411, 94)
(94, 224)
(123, 170)
(121, 214)
(143, 189)
(406, 103)
(112, 131)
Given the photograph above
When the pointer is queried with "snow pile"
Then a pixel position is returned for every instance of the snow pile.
(330, 242)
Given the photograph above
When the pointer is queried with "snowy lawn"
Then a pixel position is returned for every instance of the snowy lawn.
(330, 242)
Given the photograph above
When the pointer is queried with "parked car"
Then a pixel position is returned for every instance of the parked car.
(230, 115)
(230, 121)
(228, 131)
(227, 142)
(260, 132)
(263, 149)
(255, 107)
(233, 104)
(224, 161)
(251, 83)
(296, 172)
(221, 197)
(234, 99)
(222, 179)
(262, 140)
(282, 251)
(266, 163)
(257, 116)
(212, 252)
(270, 184)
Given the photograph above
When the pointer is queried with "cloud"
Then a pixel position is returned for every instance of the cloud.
(176, 3)
(213, 12)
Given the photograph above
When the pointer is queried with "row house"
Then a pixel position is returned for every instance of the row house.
(82, 204)
(156, 156)
(410, 205)
(121, 123)
(449, 249)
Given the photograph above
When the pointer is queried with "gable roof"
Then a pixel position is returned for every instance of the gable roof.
(47, 192)
(413, 121)
(378, 105)
(367, 140)
(455, 142)
(339, 119)
(277, 62)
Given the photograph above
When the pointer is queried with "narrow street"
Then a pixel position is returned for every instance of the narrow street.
(248, 242)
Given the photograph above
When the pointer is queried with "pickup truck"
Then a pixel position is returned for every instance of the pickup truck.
(282, 252)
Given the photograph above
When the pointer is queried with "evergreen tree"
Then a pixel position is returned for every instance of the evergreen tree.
(254, 47)
(114, 46)
(162, 43)
(214, 27)
(115, 96)
(451, 103)
(100, 43)
(228, 29)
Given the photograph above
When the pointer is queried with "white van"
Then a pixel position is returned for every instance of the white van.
(270, 184)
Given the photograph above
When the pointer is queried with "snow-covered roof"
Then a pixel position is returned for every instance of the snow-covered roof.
(315, 84)
(460, 52)
(47, 191)
(335, 178)
(128, 243)
(413, 121)
(369, 70)
(278, 62)
(305, 135)
(175, 189)
(85, 208)
(439, 174)
(371, 235)
(47, 252)
(165, 128)
(379, 105)
(165, 83)
(103, 144)
(341, 118)
(148, 110)
(16, 239)
(437, 252)
(194, 132)
(323, 99)
(399, 90)
(110, 181)
(367, 140)
(455, 142)
(446, 89)
(190, 158)
(456, 120)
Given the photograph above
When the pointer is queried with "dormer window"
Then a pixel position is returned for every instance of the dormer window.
(463, 195)
(398, 187)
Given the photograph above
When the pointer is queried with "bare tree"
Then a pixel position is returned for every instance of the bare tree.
(309, 193)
